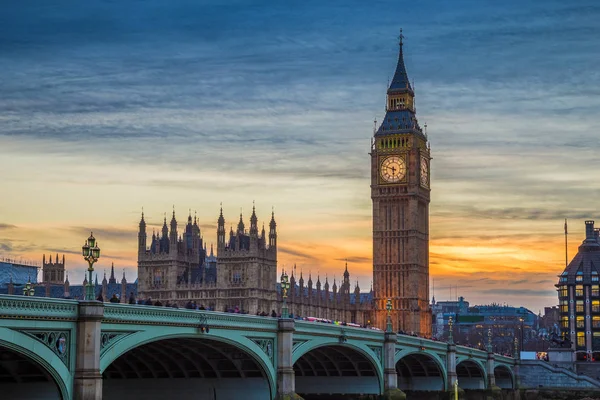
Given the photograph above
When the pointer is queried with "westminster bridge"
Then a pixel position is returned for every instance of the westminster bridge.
(68, 349)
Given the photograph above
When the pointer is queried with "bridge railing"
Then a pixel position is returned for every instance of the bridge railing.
(22, 307)
(414, 341)
(326, 329)
(142, 314)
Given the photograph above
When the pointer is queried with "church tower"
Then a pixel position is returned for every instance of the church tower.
(400, 192)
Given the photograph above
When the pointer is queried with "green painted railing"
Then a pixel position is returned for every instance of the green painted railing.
(21, 307)
(151, 315)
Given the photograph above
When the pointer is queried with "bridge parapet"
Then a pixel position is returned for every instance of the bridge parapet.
(19, 307)
(322, 329)
(151, 315)
(417, 342)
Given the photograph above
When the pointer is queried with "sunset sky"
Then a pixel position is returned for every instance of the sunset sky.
(108, 107)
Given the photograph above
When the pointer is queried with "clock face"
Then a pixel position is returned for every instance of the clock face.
(393, 169)
(424, 172)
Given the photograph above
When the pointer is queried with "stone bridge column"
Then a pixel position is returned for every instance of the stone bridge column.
(451, 366)
(87, 384)
(390, 378)
(286, 383)
(490, 365)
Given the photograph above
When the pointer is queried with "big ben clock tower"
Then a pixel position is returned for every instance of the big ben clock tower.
(400, 189)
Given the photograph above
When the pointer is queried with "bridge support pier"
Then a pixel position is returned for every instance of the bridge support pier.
(286, 380)
(390, 376)
(451, 366)
(87, 384)
(490, 366)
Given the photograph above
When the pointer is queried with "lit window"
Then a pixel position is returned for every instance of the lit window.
(563, 291)
(596, 290)
(580, 322)
(596, 323)
(594, 277)
(581, 339)
(564, 322)
(595, 306)
(579, 306)
(564, 308)
(579, 278)
(579, 290)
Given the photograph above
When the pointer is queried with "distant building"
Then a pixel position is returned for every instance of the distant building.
(472, 324)
(53, 272)
(242, 276)
(579, 296)
(15, 276)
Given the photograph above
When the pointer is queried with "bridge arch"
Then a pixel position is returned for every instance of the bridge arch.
(420, 370)
(470, 374)
(504, 377)
(327, 366)
(185, 353)
(43, 363)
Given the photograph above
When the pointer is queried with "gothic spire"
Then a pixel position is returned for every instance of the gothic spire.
(400, 81)
(241, 227)
(253, 221)
(400, 106)
(221, 219)
(112, 274)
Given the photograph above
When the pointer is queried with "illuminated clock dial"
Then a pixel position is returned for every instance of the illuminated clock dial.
(393, 169)
(424, 172)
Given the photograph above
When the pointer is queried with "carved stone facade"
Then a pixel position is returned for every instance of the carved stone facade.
(53, 272)
(400, 190)
(242, 277)
(343, 304)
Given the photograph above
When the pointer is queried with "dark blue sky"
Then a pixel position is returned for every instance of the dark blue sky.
(275, 101)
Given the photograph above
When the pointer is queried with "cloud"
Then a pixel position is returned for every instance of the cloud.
(296, 253)
(354, 259)
(7, 247)
(521, 292)
(7, 226)
(102, 233)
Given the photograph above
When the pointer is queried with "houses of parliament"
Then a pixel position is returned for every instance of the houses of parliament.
(244, 275)
(175, 266)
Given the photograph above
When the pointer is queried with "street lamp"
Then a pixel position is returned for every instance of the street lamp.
(91, 254)
(285, 285)
(489, 344)
(521, 320)
(450, 323)
(388, 307)
(28, 290)
(516, 354)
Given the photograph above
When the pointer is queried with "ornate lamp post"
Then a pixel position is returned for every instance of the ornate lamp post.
(516, 354)
(28, 290)
(388, 307)
(285, 285)
(450, 323)
(489, 344)
(91, 254)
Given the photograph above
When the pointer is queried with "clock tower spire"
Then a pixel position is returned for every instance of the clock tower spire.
(401, 193)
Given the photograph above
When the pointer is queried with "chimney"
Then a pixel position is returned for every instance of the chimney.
(589, 230)
(597, 234)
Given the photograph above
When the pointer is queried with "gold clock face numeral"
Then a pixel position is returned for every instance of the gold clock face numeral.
(393, 169)
(424, 172)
